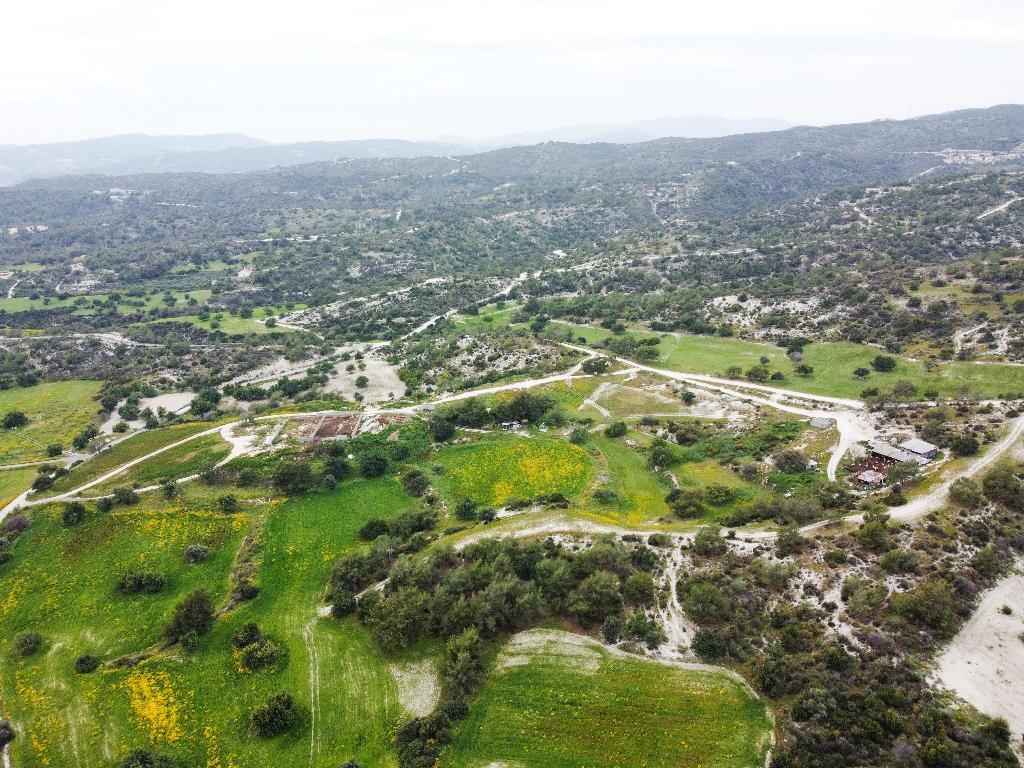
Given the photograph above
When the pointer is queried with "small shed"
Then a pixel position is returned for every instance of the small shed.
(871, 477)
(820, 422)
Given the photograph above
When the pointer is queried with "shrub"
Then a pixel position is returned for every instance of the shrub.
(105, 504)
(17, 524)
(790, 460)
(579, 435)
(709, 645)
(616, 429)
(125, 496)
(964, 445)
(15, 419)
(373, 465)
(415, 482)
(277, 715)
(85, 664)
(293, 477)
(718, 494)
(966, 492)
(258, 655)
(228, 503)
(708, 542)
(343, 604)
(6, 733)
(193, 614)
(441, 430)
(466, 510)
(884, 363)
(595, 365)
(196, 553)
(140, 758)
(643, 628)
(611, 629)
(27, 643)
(73, 514)
(596, 597)
(139, 582)
(247, 635)
(638, 589)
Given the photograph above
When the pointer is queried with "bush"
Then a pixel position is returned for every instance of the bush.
(141, 582)
(125, 496)
(228, 503)
(105, 504)
(27, 643)
(597, 597)
(140, 758)
(258, 655)
(415, 482)
(247, 635)
(579, 435)
(616, 429)
(373, 465)
(709, 645)
(343, 604)
(466, 510)
(6, 733)
(884, 363)
(196, 553)
(611, 629)
(193, 614)
(708, 542)
(73, 514)
(638, 589)
(964, 445)
(277, 715)
(966, 492)
(17, 524)
(790, 461)
(85, 664)
(293, 477)
(15, 419)
(441, 430)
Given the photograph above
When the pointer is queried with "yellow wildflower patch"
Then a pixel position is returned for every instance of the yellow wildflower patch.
(154, 703)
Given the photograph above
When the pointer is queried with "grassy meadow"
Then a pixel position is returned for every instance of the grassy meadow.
(567, 702)
(493, 470)
(195, 708)
(833, 364)
(56, 411)
(137, 445)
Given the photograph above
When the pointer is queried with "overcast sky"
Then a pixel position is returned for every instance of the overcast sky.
(417, 69)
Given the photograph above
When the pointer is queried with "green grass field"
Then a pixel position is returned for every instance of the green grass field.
(137, 445)
(641, 493)
(493, 470)
(56, 411)
(229, 324)
(833, 365)
(195, 708)
(573, 703)
(174, 463)
(13, 482)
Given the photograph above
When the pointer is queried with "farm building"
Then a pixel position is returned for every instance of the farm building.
(920, 448)
(892, 454)
(870, 477)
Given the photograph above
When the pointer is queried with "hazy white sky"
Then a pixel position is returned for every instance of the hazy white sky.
(419, 68)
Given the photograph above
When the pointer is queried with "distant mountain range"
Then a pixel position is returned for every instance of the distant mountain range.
(236, 153)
